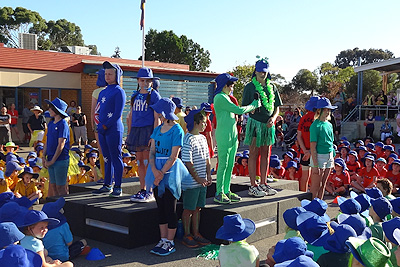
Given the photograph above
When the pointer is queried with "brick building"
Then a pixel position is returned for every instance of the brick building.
(31, 76)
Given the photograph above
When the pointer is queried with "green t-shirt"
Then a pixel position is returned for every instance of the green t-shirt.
(322, 133)
(261, 114)
(318, 251)
(238, 253)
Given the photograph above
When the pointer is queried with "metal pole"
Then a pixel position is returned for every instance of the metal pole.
(143, 47)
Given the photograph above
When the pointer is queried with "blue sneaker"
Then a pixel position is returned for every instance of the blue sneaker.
(139, 196)
(100, 181)
(117, 192)
(146, 197)
(166, 249)
(105, 189)
(157, 247)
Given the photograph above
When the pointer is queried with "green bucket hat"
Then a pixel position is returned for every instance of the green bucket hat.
(371, 252)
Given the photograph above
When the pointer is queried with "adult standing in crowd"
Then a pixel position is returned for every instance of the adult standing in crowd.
(36, 125)
(260, 129)
(79, 121)
(26, 114)
(14, 120)
(5, 120)
(369, 124)
(71, 108)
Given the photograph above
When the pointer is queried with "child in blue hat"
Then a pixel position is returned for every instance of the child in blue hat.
(142, 119)
(95, 172)
(276, 169)
(179, 113)
(367, 176)
(380, 211)
(339, 180)
(130, 160)
(83, 177)
(291, 172)
(394, 175)
(26, 186)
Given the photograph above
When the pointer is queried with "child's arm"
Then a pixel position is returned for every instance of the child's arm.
(194, 174)
(208, 170)
(170, 162)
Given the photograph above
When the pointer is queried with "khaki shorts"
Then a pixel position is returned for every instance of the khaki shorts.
(325, 161)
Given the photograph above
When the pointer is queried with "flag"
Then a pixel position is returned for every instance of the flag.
(142, 16)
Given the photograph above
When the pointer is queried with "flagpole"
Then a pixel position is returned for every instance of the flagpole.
(143, 47)
(142, 7)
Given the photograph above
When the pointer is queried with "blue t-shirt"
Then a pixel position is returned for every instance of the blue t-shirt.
(54, 132)
(31, 243)
(165, 141)
(142, 115)
(56, 240)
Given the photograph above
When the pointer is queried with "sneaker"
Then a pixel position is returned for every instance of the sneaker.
(256, 191)
(105, 189)
(117, 192)
(157, 247)
(221, 198)
(139, 196)
(201, 240)
(146, 197)
(268, 189)
(234, 197)
(188, 241)
(166, 249)
(100, 181)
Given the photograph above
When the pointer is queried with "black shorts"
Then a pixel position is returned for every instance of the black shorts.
(304, 162)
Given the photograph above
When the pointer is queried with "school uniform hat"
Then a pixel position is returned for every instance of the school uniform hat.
(337, 241)
(390, 148)
(178, 102)
(393, 156)
(396, 161)
(76, 149)
(101, 79)
(119, 72)
(371, 252)
(35, 216)
(361, 142)
(11, 157)
(145, 73)
(364, 200)
(291, 164)
(127, 166)
(24, 202)
(189, 118)
(373, 192)
(55, 210)
(313, 228)
(32, 154)
(383, 160)
(317, 206)
(95, 254)
(382, 207)
(311, 104)
(353, 153)
(82, 165)
(206, 107)
(300, 261)
(370, 157)
(379, 144)
(371, 146)
(346, 143)
(290, 216)
(10, 167)
(349, 206)
(388, 228)
(9, 234)
(239, 155)
(289, 154)
(30, 171)
(273, 156)
(33, 163)
(396, 204)
(47, 114)
(59, 105)
(37, 108)
(165, 107)
(275, 163)
(17, 256)
(88, 147)
(341, 163)
(247, 152)
(235, 228)
(361, 148)
(357, 223)
(6, 197)
(12, 212)
(91, 155)
(290, 249)
(221, 81)
(324, 102)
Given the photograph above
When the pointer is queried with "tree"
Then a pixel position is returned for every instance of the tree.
(93, 50)
(349, 57)
(166, 46)
(63, 33)
(243, 73)
(372, 82)
(117, 53)
(332, 78)
(305, 81)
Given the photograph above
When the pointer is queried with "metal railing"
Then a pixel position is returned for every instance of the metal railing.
(359, 112)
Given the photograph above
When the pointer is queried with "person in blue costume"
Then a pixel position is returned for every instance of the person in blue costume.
(141, 121)
(56, 150)
(110, 129)
(165, 173)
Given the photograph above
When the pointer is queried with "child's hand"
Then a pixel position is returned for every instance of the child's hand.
(158, 176)
(18, 195)
(202, 181)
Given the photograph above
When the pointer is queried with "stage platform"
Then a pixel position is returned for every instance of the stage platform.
(119, 222)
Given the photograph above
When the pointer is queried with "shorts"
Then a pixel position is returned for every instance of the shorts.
(58, 172)
(138, 138)
(304, 162)
(325, 161)
(194, 198)
(25, 128)
(13, 125)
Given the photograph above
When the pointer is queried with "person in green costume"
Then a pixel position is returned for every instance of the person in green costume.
(226, 135)
(260, 128)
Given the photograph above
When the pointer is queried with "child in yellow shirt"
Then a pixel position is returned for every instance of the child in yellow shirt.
(26, 186)
(126, 171)
(11, 174)
(130, 160)
(42, 182)
(83, 177)
(96, 173)
(3, 183)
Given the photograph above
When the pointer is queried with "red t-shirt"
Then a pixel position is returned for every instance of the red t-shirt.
(382, 173)
(339, 180)
(394, 178)
(380, 154)
(297, 175)
(13, 114)
(368, 177)
(279, 172)
(304, 128)
(353, 167)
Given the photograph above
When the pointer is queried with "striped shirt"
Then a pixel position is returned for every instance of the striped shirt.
(195, 150)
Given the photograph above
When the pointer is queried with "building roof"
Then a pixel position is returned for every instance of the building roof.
(15, 58)
(387, 66)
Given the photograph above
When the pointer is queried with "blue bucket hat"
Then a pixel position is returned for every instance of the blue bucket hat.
(81, 164)
(55, 210)
(101, 81)
(312, 103)
(275, 163)
(165, 107)
(11, 166)
(9, 234)
(290, 249)
(128, 155)
(145, 73)
(379, 144)
(382, 207)
(313, 228)
(6, 196)
(289, 154)
(393, 156)
(373, 192)
(235, 228)
(91, 155)
(59, 105)
(239, 155)
(11, 157)
(324, 102)
(33, 163)
(341, 163)
(189, 119)
(291, 164)
(383, 160)
(88, 147)
(346, 143)
(206, 107)
(95, 254)
(349, 206)
(21, 160)
(30, 171)
(389, 227)
(390, 148)
(364, 200)
(17, 256)
(317, 206)
(301, 261)
(371, 146)
(353, 153)
(361, 148)
(32, 154)
(76, 149)
(290, 216)
(396, 204)
(370, 157)
(361, 142)
(35, 216)
(337, 241)
(118, 73)
(178, 102)
(12, 212)
(247, 152)
(221, 81)
(357, 223)
(24, 202)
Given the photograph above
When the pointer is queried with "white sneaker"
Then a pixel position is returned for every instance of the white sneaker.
(269, 191)
(255, 191)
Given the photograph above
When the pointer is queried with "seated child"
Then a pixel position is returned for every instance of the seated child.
(394, 175)
(242, 167)
(367, 177)
(276, 169)
(389, 141)
(11, 174)
(92, 159)
(358, 143)
(3, 183)
(15, 255)
(287, 156)
(380, 153)
(386, 187)
(339, 179)
(238, 252)
(361, 151)
(126, 171)
(58, 240)
(353, 165)
(292, 172)
(344, 152)
(26, 186)
(31, 156)
(83, 177)
(390, 159)
(35, 229)
(388, 150)
(130, 160)
(381, 167)
(379, 211)
(10, 149)
(9, 234)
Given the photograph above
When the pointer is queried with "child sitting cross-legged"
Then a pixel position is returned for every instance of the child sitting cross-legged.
(353, 165)
(83, 177)
(26, 187)
(367, 177)
(11, 174)
(339, 179)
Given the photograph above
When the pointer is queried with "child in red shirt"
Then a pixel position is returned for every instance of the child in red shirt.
(291, 172)
(353, 165)
(276, 169)
(381, 167)
(394, 175)
(344, 153)
(242, 167)
(368, 175)
(339, 179)
(379, 150)
(287, 157)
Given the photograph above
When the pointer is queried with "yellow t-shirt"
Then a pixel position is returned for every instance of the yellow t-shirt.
(80, 179)
(25, 190)
(181, 120)
(96, 92)
(12, 181)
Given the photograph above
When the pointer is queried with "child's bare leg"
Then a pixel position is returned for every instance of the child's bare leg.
(196, 221)
(187, 217)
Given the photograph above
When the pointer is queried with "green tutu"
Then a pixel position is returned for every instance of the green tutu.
(264, 136)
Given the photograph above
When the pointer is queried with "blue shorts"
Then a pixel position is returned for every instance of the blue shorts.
(58, 172)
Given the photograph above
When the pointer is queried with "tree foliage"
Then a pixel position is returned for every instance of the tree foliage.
(166, 46)
(117, 53)
(349, 57)
(305, 81)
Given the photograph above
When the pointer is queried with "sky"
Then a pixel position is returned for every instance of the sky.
(293, 34)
